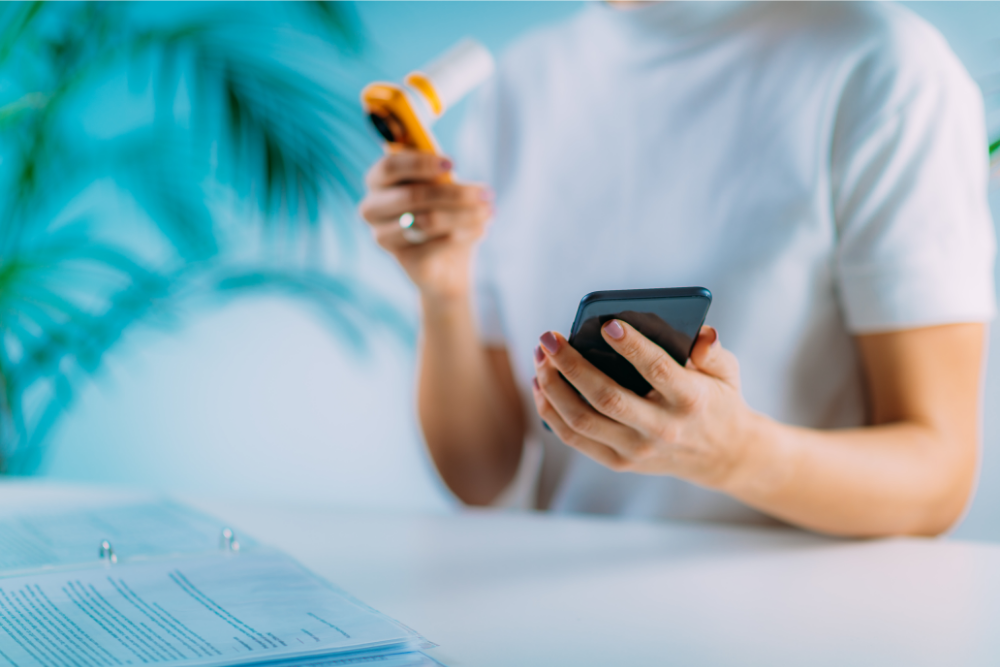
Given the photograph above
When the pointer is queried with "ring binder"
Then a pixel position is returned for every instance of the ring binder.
(176, 594)
(228, 541)
(106, 552)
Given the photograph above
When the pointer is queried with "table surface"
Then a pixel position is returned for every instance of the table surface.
(532, 589)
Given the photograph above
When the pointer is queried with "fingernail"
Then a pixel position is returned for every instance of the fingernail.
(714, 335)
(614, 329)
(550, 342)
(446, 164)
(539, 355)
(534, 383)
(486, 194)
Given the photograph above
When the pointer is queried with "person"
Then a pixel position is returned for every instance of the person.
(820, 167)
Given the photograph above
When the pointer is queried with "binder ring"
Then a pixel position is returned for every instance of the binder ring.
(106, 552)
(228, 541)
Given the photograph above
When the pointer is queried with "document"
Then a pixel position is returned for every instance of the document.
(258, 607)
(408, 659)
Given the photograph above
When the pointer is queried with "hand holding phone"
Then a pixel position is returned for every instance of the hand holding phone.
(694, 425)
(670, 317)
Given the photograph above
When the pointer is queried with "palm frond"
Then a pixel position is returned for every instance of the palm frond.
(343, 303)
(16, 18)
(173, 198)
(338, 20)
(286, 136)
(258, 128)
(52, 338)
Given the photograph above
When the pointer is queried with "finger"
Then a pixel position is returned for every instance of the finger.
(383, 206)
(442, 221)
(393, 239)
(467, 224)
(711, 358)
(580, 416)
(669, 378)
(605, 395)
(405, 166)
(595, 450)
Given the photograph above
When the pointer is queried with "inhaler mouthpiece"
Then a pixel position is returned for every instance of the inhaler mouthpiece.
(449, 78)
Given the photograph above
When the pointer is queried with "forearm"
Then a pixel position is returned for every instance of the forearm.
(472, 420)
(900, 478)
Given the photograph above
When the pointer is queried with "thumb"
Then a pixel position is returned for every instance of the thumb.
(709, 357)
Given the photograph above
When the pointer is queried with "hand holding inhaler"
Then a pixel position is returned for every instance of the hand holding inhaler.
(418, 213)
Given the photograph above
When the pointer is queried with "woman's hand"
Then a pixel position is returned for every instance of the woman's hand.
(910, 472)
(452, 216)
(469, 406)
(693, 424)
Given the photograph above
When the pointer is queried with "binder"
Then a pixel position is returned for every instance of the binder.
(158, 583)
(29, 541)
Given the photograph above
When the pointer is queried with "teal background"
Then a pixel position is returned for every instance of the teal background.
(259, 400)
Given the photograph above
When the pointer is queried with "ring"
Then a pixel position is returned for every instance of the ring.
(414, 235)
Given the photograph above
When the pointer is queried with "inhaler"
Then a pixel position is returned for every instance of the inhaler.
(403, 113)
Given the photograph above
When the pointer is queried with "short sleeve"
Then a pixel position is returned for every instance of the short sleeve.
(476, 159)
(909, 178)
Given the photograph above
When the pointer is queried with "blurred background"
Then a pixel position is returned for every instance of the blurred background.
(268, 353)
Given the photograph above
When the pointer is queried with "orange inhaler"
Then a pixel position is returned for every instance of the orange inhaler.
(403, 114)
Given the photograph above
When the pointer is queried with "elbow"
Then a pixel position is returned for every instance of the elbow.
(943, 518)
(934, 527)
(944, 509)
(932, 497)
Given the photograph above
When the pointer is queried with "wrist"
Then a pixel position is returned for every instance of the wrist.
(765, 462)
(446, 311)
(447, 284)
(445, 301)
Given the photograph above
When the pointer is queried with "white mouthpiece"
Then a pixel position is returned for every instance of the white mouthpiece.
(459, 70)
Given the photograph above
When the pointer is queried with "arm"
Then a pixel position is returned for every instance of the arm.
(910, 472)
(469, 405)
(468, 402)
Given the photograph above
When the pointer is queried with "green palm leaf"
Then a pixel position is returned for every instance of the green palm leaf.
(257, 127)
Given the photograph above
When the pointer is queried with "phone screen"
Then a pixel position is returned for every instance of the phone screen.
(671, 318)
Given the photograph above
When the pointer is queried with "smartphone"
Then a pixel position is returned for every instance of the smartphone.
(670, 317)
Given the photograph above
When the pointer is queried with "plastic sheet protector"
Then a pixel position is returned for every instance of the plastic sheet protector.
(137, 530)
(213, 606)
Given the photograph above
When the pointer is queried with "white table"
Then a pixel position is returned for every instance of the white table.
(524, 590)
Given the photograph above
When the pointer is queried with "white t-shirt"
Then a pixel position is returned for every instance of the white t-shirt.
(821, 168)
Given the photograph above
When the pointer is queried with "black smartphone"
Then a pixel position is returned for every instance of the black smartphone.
(670, 317)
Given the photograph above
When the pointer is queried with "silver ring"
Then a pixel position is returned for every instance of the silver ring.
(414, 235)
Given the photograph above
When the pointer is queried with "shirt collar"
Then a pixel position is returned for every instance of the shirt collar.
(667, 26)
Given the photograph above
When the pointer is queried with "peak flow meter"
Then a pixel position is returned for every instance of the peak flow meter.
(404, 113)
